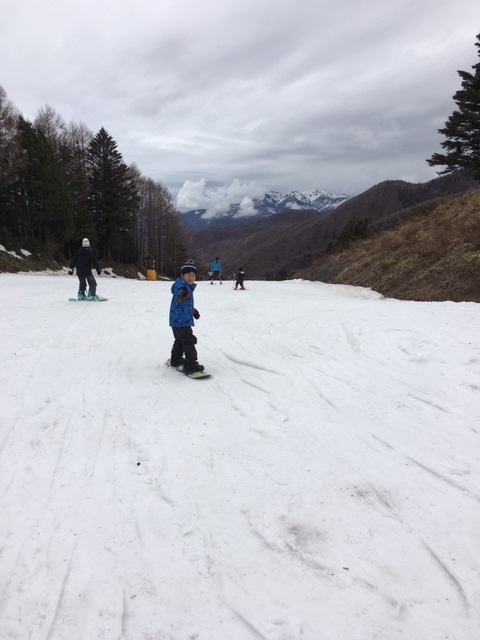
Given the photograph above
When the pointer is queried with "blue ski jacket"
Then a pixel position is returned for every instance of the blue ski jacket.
(215, 266)
(181, 306)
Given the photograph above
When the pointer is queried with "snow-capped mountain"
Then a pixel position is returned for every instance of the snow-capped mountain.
(266, 205)
(274, 202)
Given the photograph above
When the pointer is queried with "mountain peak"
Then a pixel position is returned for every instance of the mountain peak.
(263, 206)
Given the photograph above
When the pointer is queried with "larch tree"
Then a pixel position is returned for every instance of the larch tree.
(160, 238)
(74, 142)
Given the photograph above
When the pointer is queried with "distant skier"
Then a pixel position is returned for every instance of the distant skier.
(239, 278)
(83, 261)
(216, 270)
(182, 313)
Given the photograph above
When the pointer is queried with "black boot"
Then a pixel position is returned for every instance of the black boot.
(193, 367)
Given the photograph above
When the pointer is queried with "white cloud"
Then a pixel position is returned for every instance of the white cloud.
(192, 196)
(246, 208)
(196, 195)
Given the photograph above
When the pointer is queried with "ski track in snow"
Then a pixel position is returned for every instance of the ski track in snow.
(322, 485)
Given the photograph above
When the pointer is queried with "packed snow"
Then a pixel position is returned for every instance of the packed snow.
(323, 484)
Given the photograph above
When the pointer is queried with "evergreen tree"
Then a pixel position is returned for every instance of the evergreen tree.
(352, 231)
(113, 198)
(462, 129)
(43, 206)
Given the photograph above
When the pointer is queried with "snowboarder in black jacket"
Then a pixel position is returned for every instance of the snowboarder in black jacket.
(240, 277)
(83, 261)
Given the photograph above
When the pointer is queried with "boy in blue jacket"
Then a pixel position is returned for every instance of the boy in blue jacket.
(182, 313)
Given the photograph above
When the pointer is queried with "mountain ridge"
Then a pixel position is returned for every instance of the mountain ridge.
(272, 202)
(282, 244)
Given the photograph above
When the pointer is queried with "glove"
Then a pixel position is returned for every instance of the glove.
(196, 315)
(70, 272)
(183, 294)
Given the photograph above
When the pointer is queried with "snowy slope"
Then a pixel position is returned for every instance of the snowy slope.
(324, 484)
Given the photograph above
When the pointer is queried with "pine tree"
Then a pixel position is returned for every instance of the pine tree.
(43, 205)
(10, 158)
(113, 198)
(352, 231)
(462, 129)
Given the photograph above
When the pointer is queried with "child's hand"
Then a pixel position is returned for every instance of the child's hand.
(196, 315)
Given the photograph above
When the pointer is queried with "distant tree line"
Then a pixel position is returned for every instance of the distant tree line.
(60, 183)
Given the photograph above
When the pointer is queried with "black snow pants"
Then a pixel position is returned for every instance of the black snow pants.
(92, 284)
(184, 343)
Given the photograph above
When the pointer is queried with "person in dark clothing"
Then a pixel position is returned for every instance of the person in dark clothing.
(84, 260)
(239, 277)
(182, 313)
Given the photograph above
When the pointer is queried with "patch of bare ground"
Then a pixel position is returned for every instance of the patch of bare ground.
(432, 255)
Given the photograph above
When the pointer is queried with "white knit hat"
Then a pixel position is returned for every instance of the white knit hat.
(85, 242)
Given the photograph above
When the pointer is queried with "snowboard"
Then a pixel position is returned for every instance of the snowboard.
(196, 375)
(100, 299)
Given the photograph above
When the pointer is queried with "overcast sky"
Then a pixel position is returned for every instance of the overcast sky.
(242, 97)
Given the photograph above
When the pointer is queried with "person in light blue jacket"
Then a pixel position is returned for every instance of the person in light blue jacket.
(216, 271)
(182, 314)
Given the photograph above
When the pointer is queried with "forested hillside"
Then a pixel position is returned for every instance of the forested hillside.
(60, 183)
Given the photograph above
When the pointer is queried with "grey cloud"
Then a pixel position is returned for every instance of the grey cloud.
(296, 94)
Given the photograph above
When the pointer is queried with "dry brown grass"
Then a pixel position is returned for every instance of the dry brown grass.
(433, 255)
